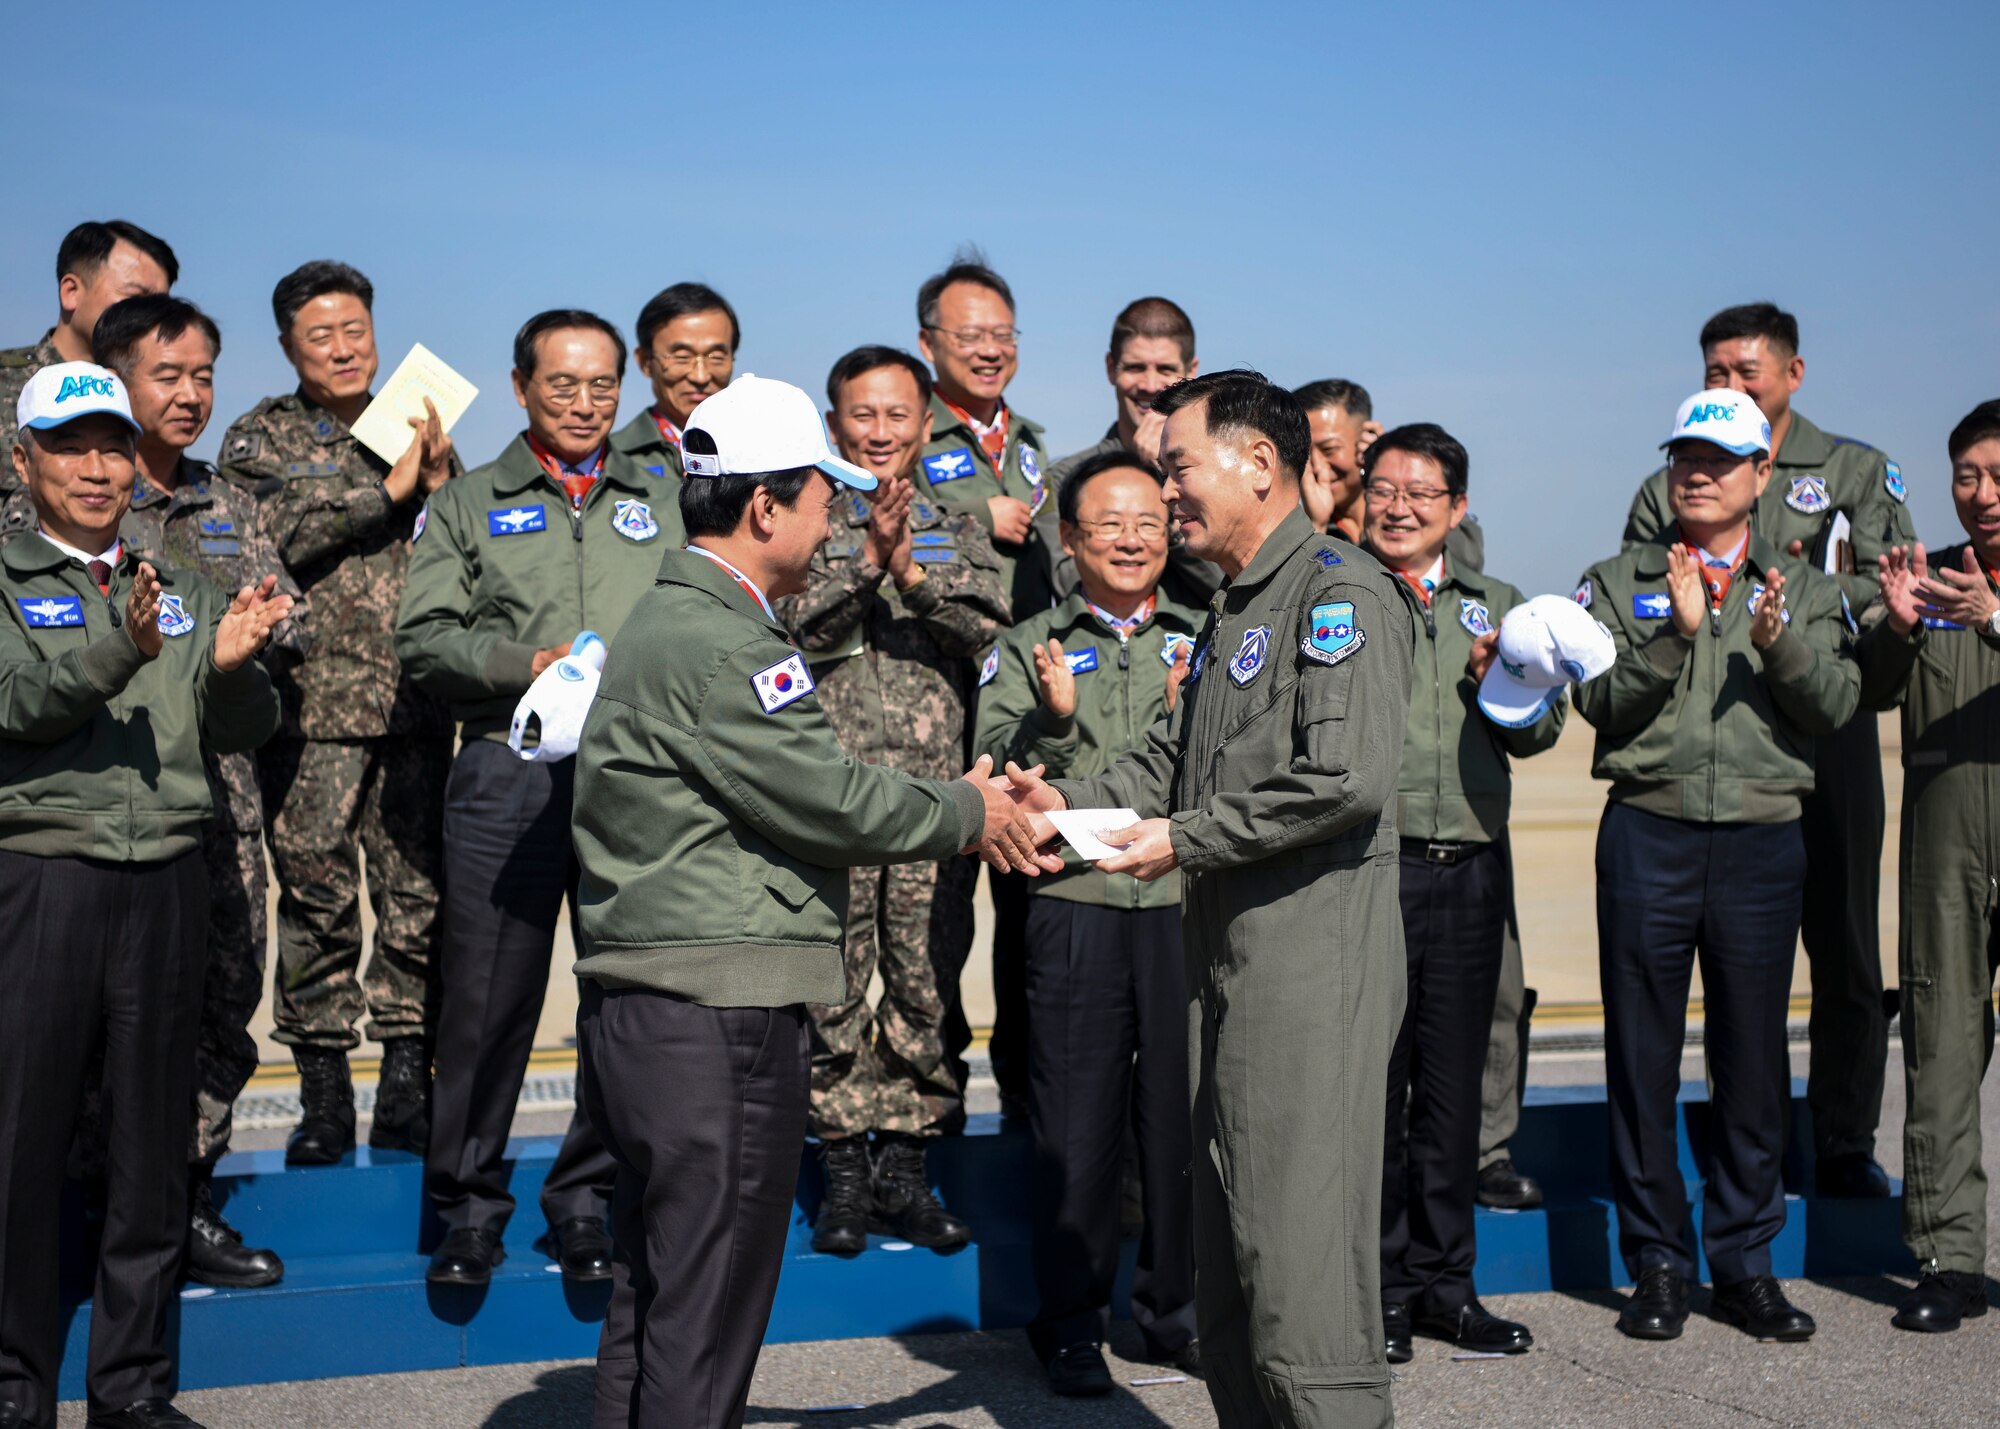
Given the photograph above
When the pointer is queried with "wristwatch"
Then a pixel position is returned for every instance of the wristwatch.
(1993, 624)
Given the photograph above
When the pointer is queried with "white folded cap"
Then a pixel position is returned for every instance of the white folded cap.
(1728, 419)
(759, 425)
(556, 705)
(1545, 644)
(64, 391)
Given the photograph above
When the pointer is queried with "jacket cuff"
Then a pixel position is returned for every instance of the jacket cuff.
(1667, 652)
(1788, 659)
(368, 510)
(243, 682)
(510, 666)
(109, 664)
(921, 598)
(971, 806)
(1046, 725)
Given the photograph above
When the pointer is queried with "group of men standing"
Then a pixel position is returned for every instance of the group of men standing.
(1255, 617)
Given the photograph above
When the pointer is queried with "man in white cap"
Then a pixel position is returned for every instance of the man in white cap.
(114, 675)
(715, 820)
(1452, 801)
(1732, 658)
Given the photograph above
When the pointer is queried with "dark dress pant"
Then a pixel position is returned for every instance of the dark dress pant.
(97, 958)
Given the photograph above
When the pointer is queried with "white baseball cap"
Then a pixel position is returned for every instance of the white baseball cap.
(1545, 644)
(1728, 419)
(760, 425)
(556, 705)
(64, 391)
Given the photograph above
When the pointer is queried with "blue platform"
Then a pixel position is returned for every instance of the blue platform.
(354, 1239)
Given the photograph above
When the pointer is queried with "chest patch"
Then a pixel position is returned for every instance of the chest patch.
(1031, 464)
(1195, 662)
(1808, 494)
(1331, 634)
(1249, 659)
(1892, 479)
(634, 521)
(783, 683)
(990, 668)
(42, 611)
(517, 520)
(953, 465)
(209, 546)
(933, 555)
(1081, 661)
(174, 619)
(1474, 616)
(1652, 605)
(929, 538)
(1176, 645)
(1938, 622)
(1757, 595)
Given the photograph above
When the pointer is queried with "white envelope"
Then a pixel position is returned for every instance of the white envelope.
(1082, 826)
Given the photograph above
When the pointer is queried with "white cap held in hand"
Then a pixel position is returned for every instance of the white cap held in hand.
(555, 706)
(1545, 644)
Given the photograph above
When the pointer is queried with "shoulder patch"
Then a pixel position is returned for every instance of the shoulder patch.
(922, 513)
(1847, 616)
(953, 465)
(1892, 478)
(1327, 559)
(243, 446)
(1331, 634)
(423, 520)
(990, 668)
(1248, 662)
(1585, 593)
(783, 683)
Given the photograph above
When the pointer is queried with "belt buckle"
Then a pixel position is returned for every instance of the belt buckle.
(1441, 853)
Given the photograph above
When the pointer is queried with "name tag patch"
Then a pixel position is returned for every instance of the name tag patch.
(46, 610)
(1176, 646)
(634, 521)
(1249, 658)
(953, 465)
(783, 683)
(517, 521)
(1081, 661)
(1331, 634)
(174, 619)
(933, 555)
(219, 548)
(1652, 605)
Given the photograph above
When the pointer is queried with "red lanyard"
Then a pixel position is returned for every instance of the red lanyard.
(669, 433)
(748, 585)
(577, 481)
(1713, 576)
(1139, 618)
(1419, 585)
(993, 440)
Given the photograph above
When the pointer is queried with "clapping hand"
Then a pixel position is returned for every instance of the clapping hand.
(142, 611)
(1903, 571)
(247, 626)
(1963, 597)
(887, 543)
(1052, 673)
(1769, 621)
(1686, 590)
(1177, 673)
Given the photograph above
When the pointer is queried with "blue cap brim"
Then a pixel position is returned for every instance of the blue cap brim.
(50, 422)
(847, 474)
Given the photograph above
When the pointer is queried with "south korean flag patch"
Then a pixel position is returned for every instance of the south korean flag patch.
(423, 520)
(991, 668)
(634, 521)
(1585, 593)
(783, 683)
(174, 619)
(1808, 494)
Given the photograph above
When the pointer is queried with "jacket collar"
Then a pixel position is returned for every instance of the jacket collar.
(1804, 445)
(516, 470)
(1649, 562)
(1283, 542)
(192, 490)
(943, 420)
(682, 567)
(31, 554)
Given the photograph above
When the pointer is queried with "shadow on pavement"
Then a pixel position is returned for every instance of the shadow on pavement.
(560, 1397)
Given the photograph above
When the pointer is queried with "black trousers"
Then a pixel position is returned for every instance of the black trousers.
(704, 1112)
(1670, 891)
(97, 958)
(1108, 1043)
(1007, 1047)
(508, 864)
(1454, 927)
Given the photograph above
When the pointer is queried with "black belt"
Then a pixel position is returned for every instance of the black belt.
(1437, 851)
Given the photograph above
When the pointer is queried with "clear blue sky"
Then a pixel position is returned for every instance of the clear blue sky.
(1508, 219)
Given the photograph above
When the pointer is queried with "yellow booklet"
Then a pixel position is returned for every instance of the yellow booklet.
(385, 429)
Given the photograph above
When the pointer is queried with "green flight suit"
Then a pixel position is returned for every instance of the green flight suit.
(957, 473)
(500, 568)
(1815, 477)
(640, 440)
(1278, 770)
(1121, 692)
(1947, 681)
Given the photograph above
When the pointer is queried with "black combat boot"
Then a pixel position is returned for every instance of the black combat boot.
(402, 1098)
(325, 1132)
(216, 1254)
(841, 1228)
(904, 1205)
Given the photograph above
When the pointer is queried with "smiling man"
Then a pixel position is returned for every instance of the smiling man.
(687, 336)
(1271, 787)
(115, 675)
(560, 535)
(898, 603)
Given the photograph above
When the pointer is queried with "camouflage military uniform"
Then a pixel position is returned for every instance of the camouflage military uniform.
(894, 673)
(17, 365)
(360, 763)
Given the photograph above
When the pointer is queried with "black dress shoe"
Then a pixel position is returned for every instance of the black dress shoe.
(146, 1414)
(216, 1254)
(1474, 1328)
(1079, 1370)
(467, 1257)
(13, 1416)
(581, 1246)
(1940, 1301)
(1853, 1177)
(1658, 1307)
(1759, 1308)
(1503, 1188)
(1396, 1332)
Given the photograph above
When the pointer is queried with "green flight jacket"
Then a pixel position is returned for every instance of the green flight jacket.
(956, 473)
(1814, 477)
(716, 814)
(1946, 678)
(1712, 730)
(1456, 784)
(640, 440)
(500, 568)
(1121, 692)
(101, 748)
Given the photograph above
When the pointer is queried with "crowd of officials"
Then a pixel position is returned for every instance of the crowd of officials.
(308, 650)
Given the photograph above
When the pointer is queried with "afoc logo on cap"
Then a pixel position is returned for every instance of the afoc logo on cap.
(84, 387)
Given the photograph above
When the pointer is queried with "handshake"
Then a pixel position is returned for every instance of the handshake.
(1019, 835)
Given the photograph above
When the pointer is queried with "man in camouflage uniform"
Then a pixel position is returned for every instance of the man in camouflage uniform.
(360, 763)
(97, 265)
(898, 602)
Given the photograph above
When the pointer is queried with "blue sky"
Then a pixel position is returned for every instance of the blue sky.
(1508, 219)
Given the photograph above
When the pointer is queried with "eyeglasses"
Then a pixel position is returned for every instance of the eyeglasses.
(563, 391)
(970, 337)
(680, 364)
(1146, 528)
(1386, 493)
